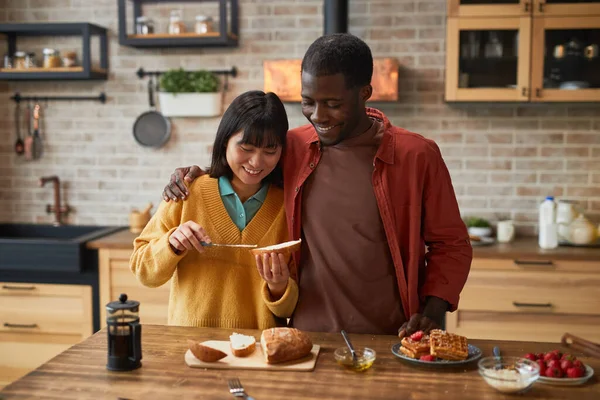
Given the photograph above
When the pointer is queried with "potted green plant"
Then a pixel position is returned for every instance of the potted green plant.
(479, 227)
(189, 94)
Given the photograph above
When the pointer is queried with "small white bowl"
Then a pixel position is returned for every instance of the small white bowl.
(509, 374)
(481, 232)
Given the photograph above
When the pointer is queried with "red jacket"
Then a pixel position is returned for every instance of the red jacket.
(417, 205)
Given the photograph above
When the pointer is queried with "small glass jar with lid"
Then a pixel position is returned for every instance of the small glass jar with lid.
(19, 60)
(176, 24)
(30, 60)
(51, 58)
(69, 59)
(8, 62)
(204, 24)
(144, 25)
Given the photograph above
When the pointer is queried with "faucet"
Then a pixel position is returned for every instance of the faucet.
(57, 209)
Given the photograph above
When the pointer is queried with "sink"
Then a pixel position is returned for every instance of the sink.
(40, 247)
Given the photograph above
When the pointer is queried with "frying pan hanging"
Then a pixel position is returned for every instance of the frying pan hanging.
(152, 129)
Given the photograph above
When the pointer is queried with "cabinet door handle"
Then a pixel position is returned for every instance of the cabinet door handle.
(526, 6)
(541, 7)
(23, 326)
(9, 287)
(538, 92)
(524, 91)
(526, 263)
(537, 305)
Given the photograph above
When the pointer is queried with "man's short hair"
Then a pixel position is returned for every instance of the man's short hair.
(340, 53)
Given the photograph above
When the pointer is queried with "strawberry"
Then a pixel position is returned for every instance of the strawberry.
(575, 372)
(578, 364)
(565, 365)
(417, 336)
(554, 373)
(531, 356)
(542, 365)
(540, 356)
(427, 358)
(553, 364)
(568, 357)
(551, 356)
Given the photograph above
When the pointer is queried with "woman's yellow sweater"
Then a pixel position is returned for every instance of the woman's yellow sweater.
(220, 287)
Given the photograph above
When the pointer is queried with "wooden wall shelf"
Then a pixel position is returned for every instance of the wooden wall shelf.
(84, 72)
(226, 36)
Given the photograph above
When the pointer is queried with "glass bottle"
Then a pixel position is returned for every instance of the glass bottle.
(493, 47)
(203, 24)
(176, 24)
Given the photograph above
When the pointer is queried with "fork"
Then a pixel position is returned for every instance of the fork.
(237, 390)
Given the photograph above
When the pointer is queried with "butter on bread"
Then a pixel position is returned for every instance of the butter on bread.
(286, 248)
(242, 345)
(205, 353)
(284, 344)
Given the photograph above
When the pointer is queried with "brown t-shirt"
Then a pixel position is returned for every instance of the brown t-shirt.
(347, 277)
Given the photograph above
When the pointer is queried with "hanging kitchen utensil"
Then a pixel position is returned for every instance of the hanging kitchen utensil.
(36, 148)
(152, 129)
(19, 144)
(29, 137)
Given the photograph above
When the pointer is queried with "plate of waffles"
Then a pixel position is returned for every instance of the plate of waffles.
(438, 349)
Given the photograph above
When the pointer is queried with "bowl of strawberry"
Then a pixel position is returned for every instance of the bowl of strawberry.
(560, 369)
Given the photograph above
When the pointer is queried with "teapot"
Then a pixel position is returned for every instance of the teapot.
(582, 231)
(139, 219)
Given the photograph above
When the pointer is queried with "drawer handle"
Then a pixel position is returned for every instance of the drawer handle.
(526, 263)
(9, 287)
(24, 326)
(538, 305)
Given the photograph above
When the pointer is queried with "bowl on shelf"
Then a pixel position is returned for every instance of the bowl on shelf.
(509, 374)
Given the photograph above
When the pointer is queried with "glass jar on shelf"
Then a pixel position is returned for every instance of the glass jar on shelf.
(144, 25)
(176, 24)
(19, 60)
(51, 58)
(204, 24)
(69, 59)
(30, 60)
(8, 62)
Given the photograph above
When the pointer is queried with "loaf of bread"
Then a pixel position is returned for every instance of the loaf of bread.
(286, 248)
(242, 345)
(284, 344)
(205, 353)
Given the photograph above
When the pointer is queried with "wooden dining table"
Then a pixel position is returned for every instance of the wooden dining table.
(80, 373)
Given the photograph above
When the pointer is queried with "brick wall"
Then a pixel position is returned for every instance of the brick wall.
(503, 158)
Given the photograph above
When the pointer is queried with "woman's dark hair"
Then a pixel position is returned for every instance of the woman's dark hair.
(340, 53)
(262, 119)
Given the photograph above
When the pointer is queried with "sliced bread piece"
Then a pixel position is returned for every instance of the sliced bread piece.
(284, 344)
(205, 353)
(242, 345)
(286, 248)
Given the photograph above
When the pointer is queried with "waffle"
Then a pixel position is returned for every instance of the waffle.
(448, 346)
(415, 349)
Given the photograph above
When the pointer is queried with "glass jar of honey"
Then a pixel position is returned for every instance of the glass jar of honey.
(51, 58)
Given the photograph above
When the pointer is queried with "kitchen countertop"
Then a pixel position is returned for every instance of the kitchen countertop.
(80, 373)
(522, 248)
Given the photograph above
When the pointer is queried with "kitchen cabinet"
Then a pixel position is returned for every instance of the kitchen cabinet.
(496, 52)
(116, 278)
(39, 321)
(518, 8)
(530, 300)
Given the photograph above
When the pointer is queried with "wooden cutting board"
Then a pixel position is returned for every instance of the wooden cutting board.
(255, 360)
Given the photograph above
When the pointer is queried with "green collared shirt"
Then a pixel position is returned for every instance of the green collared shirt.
(241, 214)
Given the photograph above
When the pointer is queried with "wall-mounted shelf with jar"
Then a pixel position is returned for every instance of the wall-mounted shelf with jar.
(522, 56)
(180, 30)
(52, 64)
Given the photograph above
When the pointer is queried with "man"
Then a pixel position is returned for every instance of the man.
(366, 198)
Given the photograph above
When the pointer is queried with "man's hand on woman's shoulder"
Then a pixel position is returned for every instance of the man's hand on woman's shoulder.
(176, 188)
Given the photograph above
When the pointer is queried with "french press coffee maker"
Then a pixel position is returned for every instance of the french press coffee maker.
(124, 334)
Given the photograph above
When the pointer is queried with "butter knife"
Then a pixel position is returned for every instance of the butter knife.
(245, 246)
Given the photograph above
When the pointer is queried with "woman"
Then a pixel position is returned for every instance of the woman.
(240, 201)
